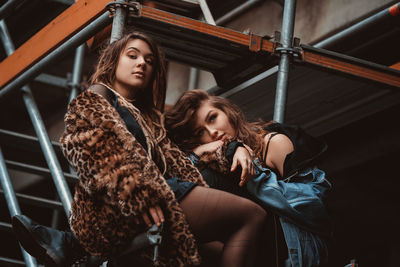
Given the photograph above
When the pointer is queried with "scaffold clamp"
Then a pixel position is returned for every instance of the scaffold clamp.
(132, 7)
(295, 49)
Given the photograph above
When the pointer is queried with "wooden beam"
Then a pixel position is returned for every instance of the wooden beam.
(188, 23)
(71, 21)
(217, 31)
(396, 66)
(351, 68)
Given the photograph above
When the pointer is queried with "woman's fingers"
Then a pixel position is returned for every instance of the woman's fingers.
(248, 172)
(234, 164)
(160, 215)
(243, 158)
(146, 219)
(253, 169)
(156, 216)
(245, 172)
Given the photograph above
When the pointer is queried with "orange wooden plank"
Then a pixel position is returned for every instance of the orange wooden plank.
(320, 60)
(187, 23)
(396, 66)
(71, 21)
(224, 33)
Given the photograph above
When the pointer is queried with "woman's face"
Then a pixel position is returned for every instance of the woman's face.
(211, 124)
(135, 66)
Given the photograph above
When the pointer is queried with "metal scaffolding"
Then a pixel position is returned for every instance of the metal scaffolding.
(199, 44)
(286, 51)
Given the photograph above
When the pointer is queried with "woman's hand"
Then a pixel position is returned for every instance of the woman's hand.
(209, 147)
(156, 215)
(243, 158)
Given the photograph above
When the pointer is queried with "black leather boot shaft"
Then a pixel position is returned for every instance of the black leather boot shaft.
(50, 246)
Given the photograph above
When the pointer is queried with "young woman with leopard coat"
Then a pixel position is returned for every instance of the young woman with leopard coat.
(132, 176)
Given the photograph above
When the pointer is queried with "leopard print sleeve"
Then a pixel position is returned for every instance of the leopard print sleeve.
(178, 164)
(108, 159)
(216, 160)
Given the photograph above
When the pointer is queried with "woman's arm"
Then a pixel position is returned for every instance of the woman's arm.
(279, 147)
(240, 155)
(178, 164)
(108, 159)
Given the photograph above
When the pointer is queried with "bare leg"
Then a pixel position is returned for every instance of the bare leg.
(236, 221)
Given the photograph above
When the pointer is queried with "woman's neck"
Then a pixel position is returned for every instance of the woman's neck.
(128, 93)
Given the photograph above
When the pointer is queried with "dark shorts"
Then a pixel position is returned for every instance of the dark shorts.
(180, 188)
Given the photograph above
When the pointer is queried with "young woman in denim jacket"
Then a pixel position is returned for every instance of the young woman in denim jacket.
(285, 181)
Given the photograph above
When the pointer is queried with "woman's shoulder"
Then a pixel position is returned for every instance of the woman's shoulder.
(92, 108)
(278, 142)
(90, 100)
(276, 138)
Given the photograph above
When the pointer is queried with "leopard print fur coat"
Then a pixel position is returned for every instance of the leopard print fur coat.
(119, 181)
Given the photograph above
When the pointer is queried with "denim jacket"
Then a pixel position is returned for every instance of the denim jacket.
(299, 205)
(298, 198)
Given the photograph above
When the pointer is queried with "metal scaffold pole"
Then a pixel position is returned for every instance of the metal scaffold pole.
(45, 143)
(12, 203)
(195, 72)
(118, 22)
(73, 42)
(77, 72)
(283, 72)
(8, 7)
(364, 25)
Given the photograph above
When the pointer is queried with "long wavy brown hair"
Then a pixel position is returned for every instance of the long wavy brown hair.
(148, 99)
(180, 120)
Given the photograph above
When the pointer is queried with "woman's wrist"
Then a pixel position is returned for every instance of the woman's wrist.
(194, 158)
(197, 151)
(231, 149)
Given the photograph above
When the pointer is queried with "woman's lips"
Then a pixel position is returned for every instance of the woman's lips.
(139, 74)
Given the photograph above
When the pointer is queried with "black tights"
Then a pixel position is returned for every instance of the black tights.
(215, 215)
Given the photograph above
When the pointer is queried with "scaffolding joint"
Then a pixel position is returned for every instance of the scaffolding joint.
(255, 44)
(133, 8)
(78, 86)
(294, 50)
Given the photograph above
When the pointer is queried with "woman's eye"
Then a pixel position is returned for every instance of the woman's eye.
(213, 117)
(149, 61)
(132, 56)
(200, 133)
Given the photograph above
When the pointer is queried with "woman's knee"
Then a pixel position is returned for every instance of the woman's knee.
(254, 213)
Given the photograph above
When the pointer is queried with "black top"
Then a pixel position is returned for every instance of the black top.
(306, 147)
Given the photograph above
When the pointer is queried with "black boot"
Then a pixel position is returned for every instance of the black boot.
(48, 245)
